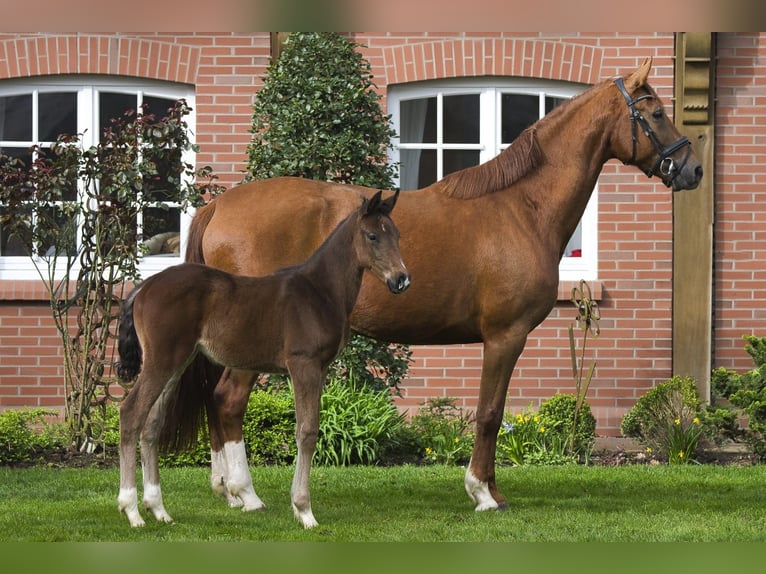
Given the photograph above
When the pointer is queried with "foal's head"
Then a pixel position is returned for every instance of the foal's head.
(377, 242)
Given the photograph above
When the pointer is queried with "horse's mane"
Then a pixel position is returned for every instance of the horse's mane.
(521, 157)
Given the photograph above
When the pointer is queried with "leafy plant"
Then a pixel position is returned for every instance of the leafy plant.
(355, 424)
(318, 116)
(26, 432)
(668, 419)
(76, 211)
(269, 427)
(445, 431)
(571, 417)
(747, 391)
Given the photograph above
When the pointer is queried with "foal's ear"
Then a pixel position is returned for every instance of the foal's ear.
(387, 206)
(638, 78)
(370, 206)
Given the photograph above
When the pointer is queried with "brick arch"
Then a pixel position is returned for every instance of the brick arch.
(97, 54)
(463, 57)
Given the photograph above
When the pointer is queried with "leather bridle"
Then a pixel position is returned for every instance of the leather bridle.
(665, 165)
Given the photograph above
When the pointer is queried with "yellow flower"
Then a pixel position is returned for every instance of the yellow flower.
(520, 418)
(648, 449)
(680, 454)
(542, 429)
(526, 419)
(457, 440)
(428, 451)
(537, 419)
(696, 420)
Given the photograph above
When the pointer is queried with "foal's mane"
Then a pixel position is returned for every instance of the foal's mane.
(500, 172)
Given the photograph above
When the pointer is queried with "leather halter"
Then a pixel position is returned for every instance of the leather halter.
(664, 165)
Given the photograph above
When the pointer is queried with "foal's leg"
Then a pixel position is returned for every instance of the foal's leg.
(150, 456)
(133, 413)
(230, 470)
(499, 360)
(308, 378)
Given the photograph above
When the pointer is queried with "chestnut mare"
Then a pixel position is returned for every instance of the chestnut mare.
(483, 244)
(294, 321)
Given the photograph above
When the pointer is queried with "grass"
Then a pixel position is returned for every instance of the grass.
(637, 503)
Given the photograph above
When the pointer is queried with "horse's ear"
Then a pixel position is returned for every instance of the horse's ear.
(638, 78)
(387, 206)
(370, 206)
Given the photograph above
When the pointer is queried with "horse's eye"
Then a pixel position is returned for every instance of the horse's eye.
(372, 236)
(657, 114)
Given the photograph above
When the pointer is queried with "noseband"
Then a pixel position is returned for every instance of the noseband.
(664, 165)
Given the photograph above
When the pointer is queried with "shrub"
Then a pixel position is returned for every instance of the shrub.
(668, 419)
(559, 412)
(356, 424)
(444, 430)
(269, 427)
(747, 392)
(28, 432)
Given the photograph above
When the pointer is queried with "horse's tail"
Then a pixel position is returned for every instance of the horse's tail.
(197, 231)
(128, 345)
(192, 399)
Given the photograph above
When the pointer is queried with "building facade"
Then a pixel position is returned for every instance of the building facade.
(455, 99)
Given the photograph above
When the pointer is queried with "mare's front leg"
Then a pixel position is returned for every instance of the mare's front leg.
(499, 359)
(308, 378)
(230, 473)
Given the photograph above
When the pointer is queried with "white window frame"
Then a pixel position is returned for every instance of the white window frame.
(87, 87)
(490, 92)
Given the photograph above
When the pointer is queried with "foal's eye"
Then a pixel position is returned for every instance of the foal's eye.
(372, 236)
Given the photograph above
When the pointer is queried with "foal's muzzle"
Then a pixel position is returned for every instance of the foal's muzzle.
(398, 283)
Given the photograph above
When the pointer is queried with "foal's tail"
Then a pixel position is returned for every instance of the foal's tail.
(128, 345)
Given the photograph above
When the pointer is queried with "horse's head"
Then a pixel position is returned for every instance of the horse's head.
(650, 140)
(378, 242)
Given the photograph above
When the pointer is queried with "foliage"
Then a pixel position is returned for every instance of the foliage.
(269, 427)
(318, 116)
(445, 431)
(747, 391)
(355, 424)
(549, 436)
(77, 213)
(26, 432)
(668, 419)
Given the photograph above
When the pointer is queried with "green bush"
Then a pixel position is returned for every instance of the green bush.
(668, 419)
(545, 437)
(356, 424)
(269, 427)
(444, 430)
(747, 391)
(27, 433)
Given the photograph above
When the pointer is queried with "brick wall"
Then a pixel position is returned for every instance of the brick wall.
(635, 232)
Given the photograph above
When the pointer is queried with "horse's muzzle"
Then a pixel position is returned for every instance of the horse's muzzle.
(399, 283)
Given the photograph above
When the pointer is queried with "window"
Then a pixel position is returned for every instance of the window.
(37, 111)
(445, 126)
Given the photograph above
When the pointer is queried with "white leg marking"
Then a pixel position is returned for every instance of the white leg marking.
(299, 493)
(153, 502)
(218, 470)
(479, 492)
(127, 502)
(239, 483)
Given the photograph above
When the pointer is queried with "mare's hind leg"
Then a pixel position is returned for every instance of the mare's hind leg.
(230, 472)
(133, 414)
(150, 456)
(308, 379)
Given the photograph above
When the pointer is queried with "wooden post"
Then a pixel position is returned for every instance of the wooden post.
(693, 216)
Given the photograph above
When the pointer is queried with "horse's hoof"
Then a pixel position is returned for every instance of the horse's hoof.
(502, 506)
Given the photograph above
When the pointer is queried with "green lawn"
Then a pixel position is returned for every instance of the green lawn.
(637, 503)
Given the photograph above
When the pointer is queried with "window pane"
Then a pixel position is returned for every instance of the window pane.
(166, 183)
(461, 119)
(553, 102)
(457, 159)
(161, 231)
(113, 106)
(519, 111)
(56, 231)
(68, 191)
(22, 153)
(57, 114)
(418, 121)
(16, 118)
(13, 245)
(157, 106)
(417, 169)
(574, 247)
